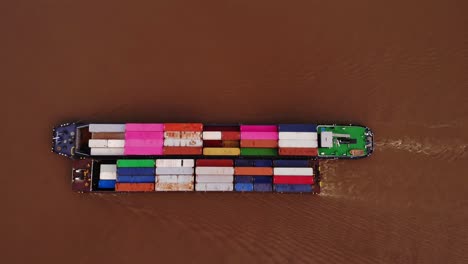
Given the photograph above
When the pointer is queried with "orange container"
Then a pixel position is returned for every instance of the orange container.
(230, 135)
(134, 187)
(298, 151)
(259, 143)
(250, 171)
(182, 150)
(183, 127)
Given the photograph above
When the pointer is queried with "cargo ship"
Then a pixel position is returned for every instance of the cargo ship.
(159, 157)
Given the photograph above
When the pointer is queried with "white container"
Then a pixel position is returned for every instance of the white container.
(220, 187)
(107, 151)
(98, 143)
(116, 143)
(301, 143)
(168, 163)
(98, 128)
(169, 142)
(190, 163)
(108, 172)
(212, 135)
(214, 170)
(175, 170)
(214, 178)
(174, 178)
(293, 171)
(298, 135)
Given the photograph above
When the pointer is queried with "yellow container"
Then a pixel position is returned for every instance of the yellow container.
(221, 151)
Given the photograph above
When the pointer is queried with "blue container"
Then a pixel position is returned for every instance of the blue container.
(135, 171)
(244, 163)
(291, 163)
(295, 188)
(297, 128)
(263, 179)
(243, 179)
(263, 187)
(263, 163)
(244, 187)
(136, 179)
(106, 184)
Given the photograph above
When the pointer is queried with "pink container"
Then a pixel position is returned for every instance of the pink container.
(143, 127)
(144, 135)
(259, 135)
(143, 150)
(144, 142)
(258, 128)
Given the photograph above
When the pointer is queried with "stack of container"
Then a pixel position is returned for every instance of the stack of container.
(298, 140)
(174, 175)
(259, 140)
(107, 139)
(144, 139)
(107, 176)
(135, 175)
(253, 175)
(183, 139)
(214, 175)
(221, 140)
(293, 176)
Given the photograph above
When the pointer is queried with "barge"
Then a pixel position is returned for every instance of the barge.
(155, 157)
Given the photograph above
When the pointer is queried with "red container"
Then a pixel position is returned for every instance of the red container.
(182, 150)
(259, 143)
(251, 171)
(134, 187)
(230, 135)
(183, 127)
(214, 163)
(293, 180)
(297, 151)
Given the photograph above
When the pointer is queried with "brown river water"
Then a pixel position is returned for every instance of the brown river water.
(399, 67)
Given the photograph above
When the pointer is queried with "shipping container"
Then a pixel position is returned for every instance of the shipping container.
(253, 171)
(291, 163)
(183, 143)
(182, 150)
(183, 127)
(214, 178)
(215, 170)
(293, 171)
(116, 143)
(99, 128)
(243, 179)
(293, 180)
(263, 187)
(297, 128)
(97, 143)
(293, 143)
(214, 187)
(263, 179)
(182, 135)
(136, 179)
(221, 143)
(175, 163)
(253, 163)
(108, 135)
(244, 187)
(143, 127)
(230, 135)
(259, 135)
(211, 135)
(175, 179)
(144, 142)
(221, 151)
(132, 171)
(107, 151)
(293, 188)
(258, 143)
(221, 128)
(298, 136)
(214, 162)
(313, 152)
(135, 163)
(259, 152)
(129, 150)
(106, 184)
(174, 170)
(108, 172)
(134, 187)
(144, 135)
(258, 128)
(167, 187)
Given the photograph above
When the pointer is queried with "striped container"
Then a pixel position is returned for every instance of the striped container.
(253, 175)
(221, 140)
(259, 140)
(214, 175)
(297, 140)
(174, 174)
(135, 175)
(293, 176)
(183, 139)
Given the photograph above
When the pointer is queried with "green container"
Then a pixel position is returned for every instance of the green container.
(135, 163)
(259, 152)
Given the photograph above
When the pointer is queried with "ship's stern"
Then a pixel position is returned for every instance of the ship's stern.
(64, 139)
